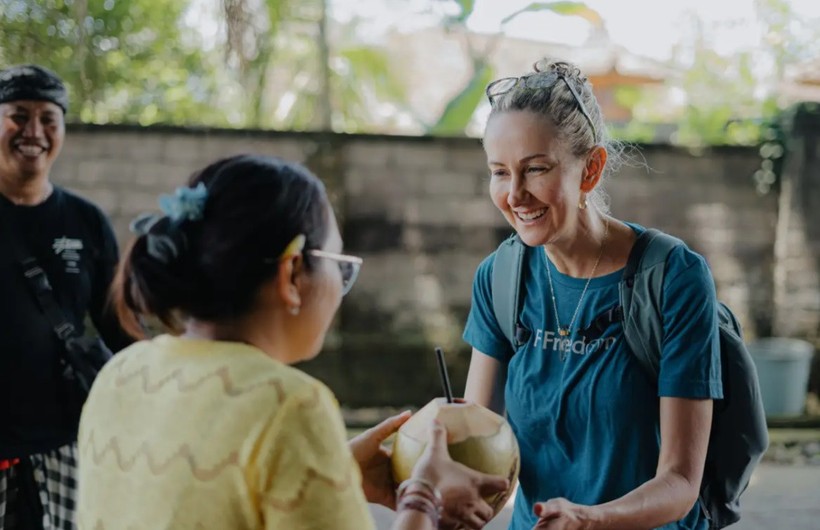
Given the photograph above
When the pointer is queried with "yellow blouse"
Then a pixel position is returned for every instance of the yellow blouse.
(193, 434)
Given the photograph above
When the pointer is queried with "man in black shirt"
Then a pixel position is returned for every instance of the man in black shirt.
(73, 243)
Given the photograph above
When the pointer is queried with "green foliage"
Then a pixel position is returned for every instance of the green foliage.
(634, 131)
(465, 10)
(628, 96)
(361, 80)
(728, 101)
(122, 60)
(459, 111)
(275, 64)
(252, 40)
(723, 106)
(140, 61)
(578, 9)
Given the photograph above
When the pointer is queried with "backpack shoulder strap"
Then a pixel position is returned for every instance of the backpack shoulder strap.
(506, 285)
(641, 293)
(38, 282)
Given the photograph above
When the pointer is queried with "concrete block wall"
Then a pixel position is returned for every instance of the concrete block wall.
(797, 274)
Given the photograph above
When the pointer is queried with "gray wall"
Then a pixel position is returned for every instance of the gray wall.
(797, 249)
(796, 295)
(417, 210)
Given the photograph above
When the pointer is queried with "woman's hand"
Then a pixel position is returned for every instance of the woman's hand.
(561, 514)
(374, 460)
(461, 488)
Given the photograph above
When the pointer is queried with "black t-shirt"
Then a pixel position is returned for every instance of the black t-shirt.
(73, 242)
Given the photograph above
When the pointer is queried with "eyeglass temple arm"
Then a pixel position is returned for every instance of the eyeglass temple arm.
(581, 107)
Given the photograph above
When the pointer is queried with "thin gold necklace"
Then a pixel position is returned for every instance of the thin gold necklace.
(565, 331)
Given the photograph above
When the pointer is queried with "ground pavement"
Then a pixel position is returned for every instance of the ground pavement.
(780, 497)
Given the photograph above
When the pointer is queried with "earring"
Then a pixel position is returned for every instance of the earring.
(582, 204)
(293, 310)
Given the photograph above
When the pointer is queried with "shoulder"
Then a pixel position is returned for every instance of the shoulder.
(78, 203)
(309, 424)
(681, 260)
(89, 214)
(484, 271)
(483, 276)
(303, 389)
(485, 268)
(686, 277)
(312, 410)
(262, 379)
(684, 263)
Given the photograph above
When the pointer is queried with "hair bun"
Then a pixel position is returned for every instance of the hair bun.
(564, 68)
(165, 240)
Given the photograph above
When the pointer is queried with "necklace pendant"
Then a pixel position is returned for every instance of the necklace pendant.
(563, 332)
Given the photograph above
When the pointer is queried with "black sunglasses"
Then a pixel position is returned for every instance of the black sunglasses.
(499, 87)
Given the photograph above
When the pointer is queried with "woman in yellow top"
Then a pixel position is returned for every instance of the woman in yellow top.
(213, 428)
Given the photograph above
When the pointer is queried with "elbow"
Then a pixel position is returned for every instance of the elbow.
(683, 494)
(686, 506)
(687, 493)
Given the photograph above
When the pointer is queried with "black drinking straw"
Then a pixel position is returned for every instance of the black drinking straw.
(445, 379)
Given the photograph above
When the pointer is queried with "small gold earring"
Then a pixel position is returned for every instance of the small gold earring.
(582, 204)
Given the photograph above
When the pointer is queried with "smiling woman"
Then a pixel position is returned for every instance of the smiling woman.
(587, 418)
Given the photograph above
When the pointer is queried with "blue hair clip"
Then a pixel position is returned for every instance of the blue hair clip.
(186, 204)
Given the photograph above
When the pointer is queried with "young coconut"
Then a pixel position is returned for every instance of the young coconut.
(476, 437)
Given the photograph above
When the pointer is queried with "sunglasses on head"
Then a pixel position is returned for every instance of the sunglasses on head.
(499, 87)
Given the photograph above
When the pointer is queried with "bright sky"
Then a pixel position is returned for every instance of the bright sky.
(645, 27)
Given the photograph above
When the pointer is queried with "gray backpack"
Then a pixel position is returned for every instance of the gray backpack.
(738, 436)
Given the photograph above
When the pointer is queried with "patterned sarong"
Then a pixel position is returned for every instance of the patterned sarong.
(55, 477)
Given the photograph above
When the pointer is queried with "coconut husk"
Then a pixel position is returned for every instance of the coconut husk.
(476, 437)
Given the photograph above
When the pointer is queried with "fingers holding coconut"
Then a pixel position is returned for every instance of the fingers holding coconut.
(491, 485)
(370, 440)
(473, 435)
(433, 456)
(385, 429)
(462, 489)
(466, 507)
(374, 460)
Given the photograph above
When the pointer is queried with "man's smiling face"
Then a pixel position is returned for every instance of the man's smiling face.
(31, 137)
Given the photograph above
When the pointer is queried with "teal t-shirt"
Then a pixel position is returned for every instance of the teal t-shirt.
(586, 414)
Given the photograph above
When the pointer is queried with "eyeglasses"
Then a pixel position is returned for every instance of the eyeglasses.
(499, 87)
(349, 266)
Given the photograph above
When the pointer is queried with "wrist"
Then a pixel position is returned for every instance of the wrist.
(418, 494)
(427, 474)
(421, 486)
(592, 516)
